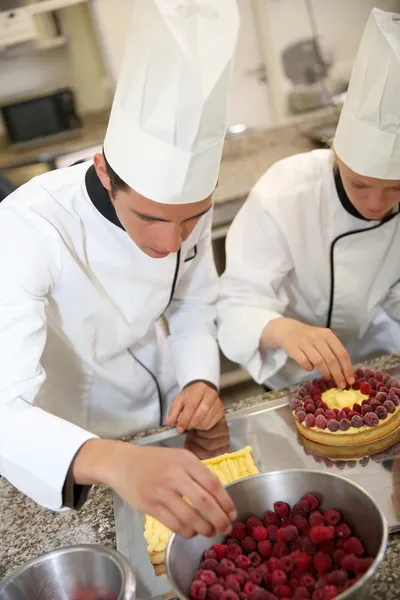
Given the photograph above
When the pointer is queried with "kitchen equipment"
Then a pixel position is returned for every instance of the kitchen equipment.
(56, 575)
(42, 117)
(258, 493)
(16, 26)
(269, 428)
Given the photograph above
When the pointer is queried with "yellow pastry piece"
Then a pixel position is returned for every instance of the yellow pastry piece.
(227, 468)
(337, 398)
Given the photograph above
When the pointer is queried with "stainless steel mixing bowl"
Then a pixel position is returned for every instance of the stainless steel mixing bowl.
(256, 494)
(56, 575)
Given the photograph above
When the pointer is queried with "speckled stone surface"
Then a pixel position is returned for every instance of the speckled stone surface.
(26, 530)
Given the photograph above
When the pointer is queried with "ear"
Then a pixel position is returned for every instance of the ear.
(100, 166)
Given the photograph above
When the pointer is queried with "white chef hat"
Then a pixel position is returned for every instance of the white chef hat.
(367, 138)
(168, 120)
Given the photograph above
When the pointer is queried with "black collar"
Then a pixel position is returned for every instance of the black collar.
(100, 198)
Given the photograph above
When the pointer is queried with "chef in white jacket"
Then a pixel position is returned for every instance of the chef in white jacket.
(313, 258)
(93, 255)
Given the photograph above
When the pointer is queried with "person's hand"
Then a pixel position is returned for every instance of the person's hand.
(198, 406)
(207, 444)
(311, 347)
(155, 481)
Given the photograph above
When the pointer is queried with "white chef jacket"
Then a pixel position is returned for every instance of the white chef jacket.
(296, 250)
(82, 353)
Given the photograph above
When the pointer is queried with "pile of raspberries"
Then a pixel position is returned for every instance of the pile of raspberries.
(383, 397)
(291, 553)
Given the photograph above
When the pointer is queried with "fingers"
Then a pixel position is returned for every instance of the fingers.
(190, 516)
(191, 404)
(176, 409)
(219, 430)
(210, 484)
(170, 518)
(343, 357)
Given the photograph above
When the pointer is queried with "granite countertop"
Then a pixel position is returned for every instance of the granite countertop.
(27, 530)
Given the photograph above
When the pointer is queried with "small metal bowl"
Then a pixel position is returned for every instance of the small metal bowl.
(256, 494)
(58, 574)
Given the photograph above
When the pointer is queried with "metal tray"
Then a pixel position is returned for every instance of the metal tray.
(269, 429)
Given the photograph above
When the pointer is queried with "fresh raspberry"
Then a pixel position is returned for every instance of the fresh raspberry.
(300, 415)
(344, 424)
(315, 390)
(209, 577)
(323, 405)
(272, 563)
(286, 522)
(321, 421)
(263, 569)
(295, 403)
(341, 415)
(300, 592)
(381, 412)
(255, 559)
(309, 502)
(242, 561)
(368, 373)
(238, 531)
(286, 564)
(330, 414)
(373, 382)
(338, 556)
(297, 509)
(233, 551)
(225, 567)
(300, 522)
(279, 577)
(241, 576)
(332, 516)
(389, 405)
(378, 375)
(220, 550)
(198, 590)
(209, 564)
(362, 565)
(282, 591)
(357, 408)
(280, 549)
(349, 562)
(310, 421)
(231, 542)
(215, 592)
(308, 546)
(393, 398)
(354, 546)
(260, 533)
(319, 593)
(330, 592)
(307, 400)
(338, 577)
(271, 518)
(372, 394)
(229, 595)
(248, 544)
(232, 583)
(352, 414)
(210, 553)
(272, 532)
(366, 409)
(365, 388)
(308, 581)
(262, 594)
(395, 390)
(371, 419)
(359, 373)
(255, 578)
(265, 548)
(252, 522)
(319, 413)
(343, 531)
(356, 385)
(322, 562)
(322, 533)
(303, 561)
(333, 425)
(289, 533)
(328, 546)
(357, 421)
(381, 397)
(316, 518)
(311, 408)
(249, 587)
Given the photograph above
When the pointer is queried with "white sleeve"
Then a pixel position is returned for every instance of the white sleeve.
(391, 304)
(251, 289)
(192, 317)
(36, 447)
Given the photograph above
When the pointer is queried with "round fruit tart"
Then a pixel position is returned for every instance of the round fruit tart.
(366, 411)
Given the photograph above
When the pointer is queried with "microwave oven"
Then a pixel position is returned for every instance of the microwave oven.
(39, 118)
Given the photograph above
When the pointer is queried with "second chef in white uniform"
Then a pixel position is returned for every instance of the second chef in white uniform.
(313, 270)
(92, 256)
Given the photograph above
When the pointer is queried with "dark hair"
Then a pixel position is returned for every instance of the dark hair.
(115, 180)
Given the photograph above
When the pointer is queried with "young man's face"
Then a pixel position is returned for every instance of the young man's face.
(157, 229)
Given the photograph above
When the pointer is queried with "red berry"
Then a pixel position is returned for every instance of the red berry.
(365, 388)
(273, 563)
(346, 409)
(282, 591)
(309, 503)
(271, 518)
(343, 531)
(242, 561)
(297, 509)
(248, 544)
(249, 587)
(344, 424)
(389, 405)
(209, 577)
(328, 547)
(210, 553)
(322, 534)
(225, 567)
(366, 409)
(300, 522)
(265, 548)
(338, 556)
(357, 408)
(381, 412)
(290, 533)
(310, 421)
(254, 577)
(354, 546)
(238, 531)
(220, 550)
(286, 564)
(356, 385)
(295, 404)
(341, 415)
(308, 546)
(260, 533)
(278, 577)
(262, 594)
(315, 390)
(333, 425)
(352, 414)
(209, 564)
(369, 373)
(332, 516)
(255, 559)
(357, 421)
(316, 518)
(362, 565)
(374, 404)
(378, 375)
(280, 549)
(241, 575)
(303, 561)
(229, 595)
(330, 414)
(232, 583)
(252, 522)
(319, 412)
(338, 577)
(340, 544)
(321, 421)
(231, 542)
(322, 562)
(319, 593)
(233, 550)
(330, 592)
(359, 373)
(308, 581)
(198, 590)
(371, 419)
(272, 532)
(215, 591)
(301, 592)
(311, 408)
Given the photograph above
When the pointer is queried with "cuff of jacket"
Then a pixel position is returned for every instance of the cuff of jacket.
(211, 385)
(74, 495)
